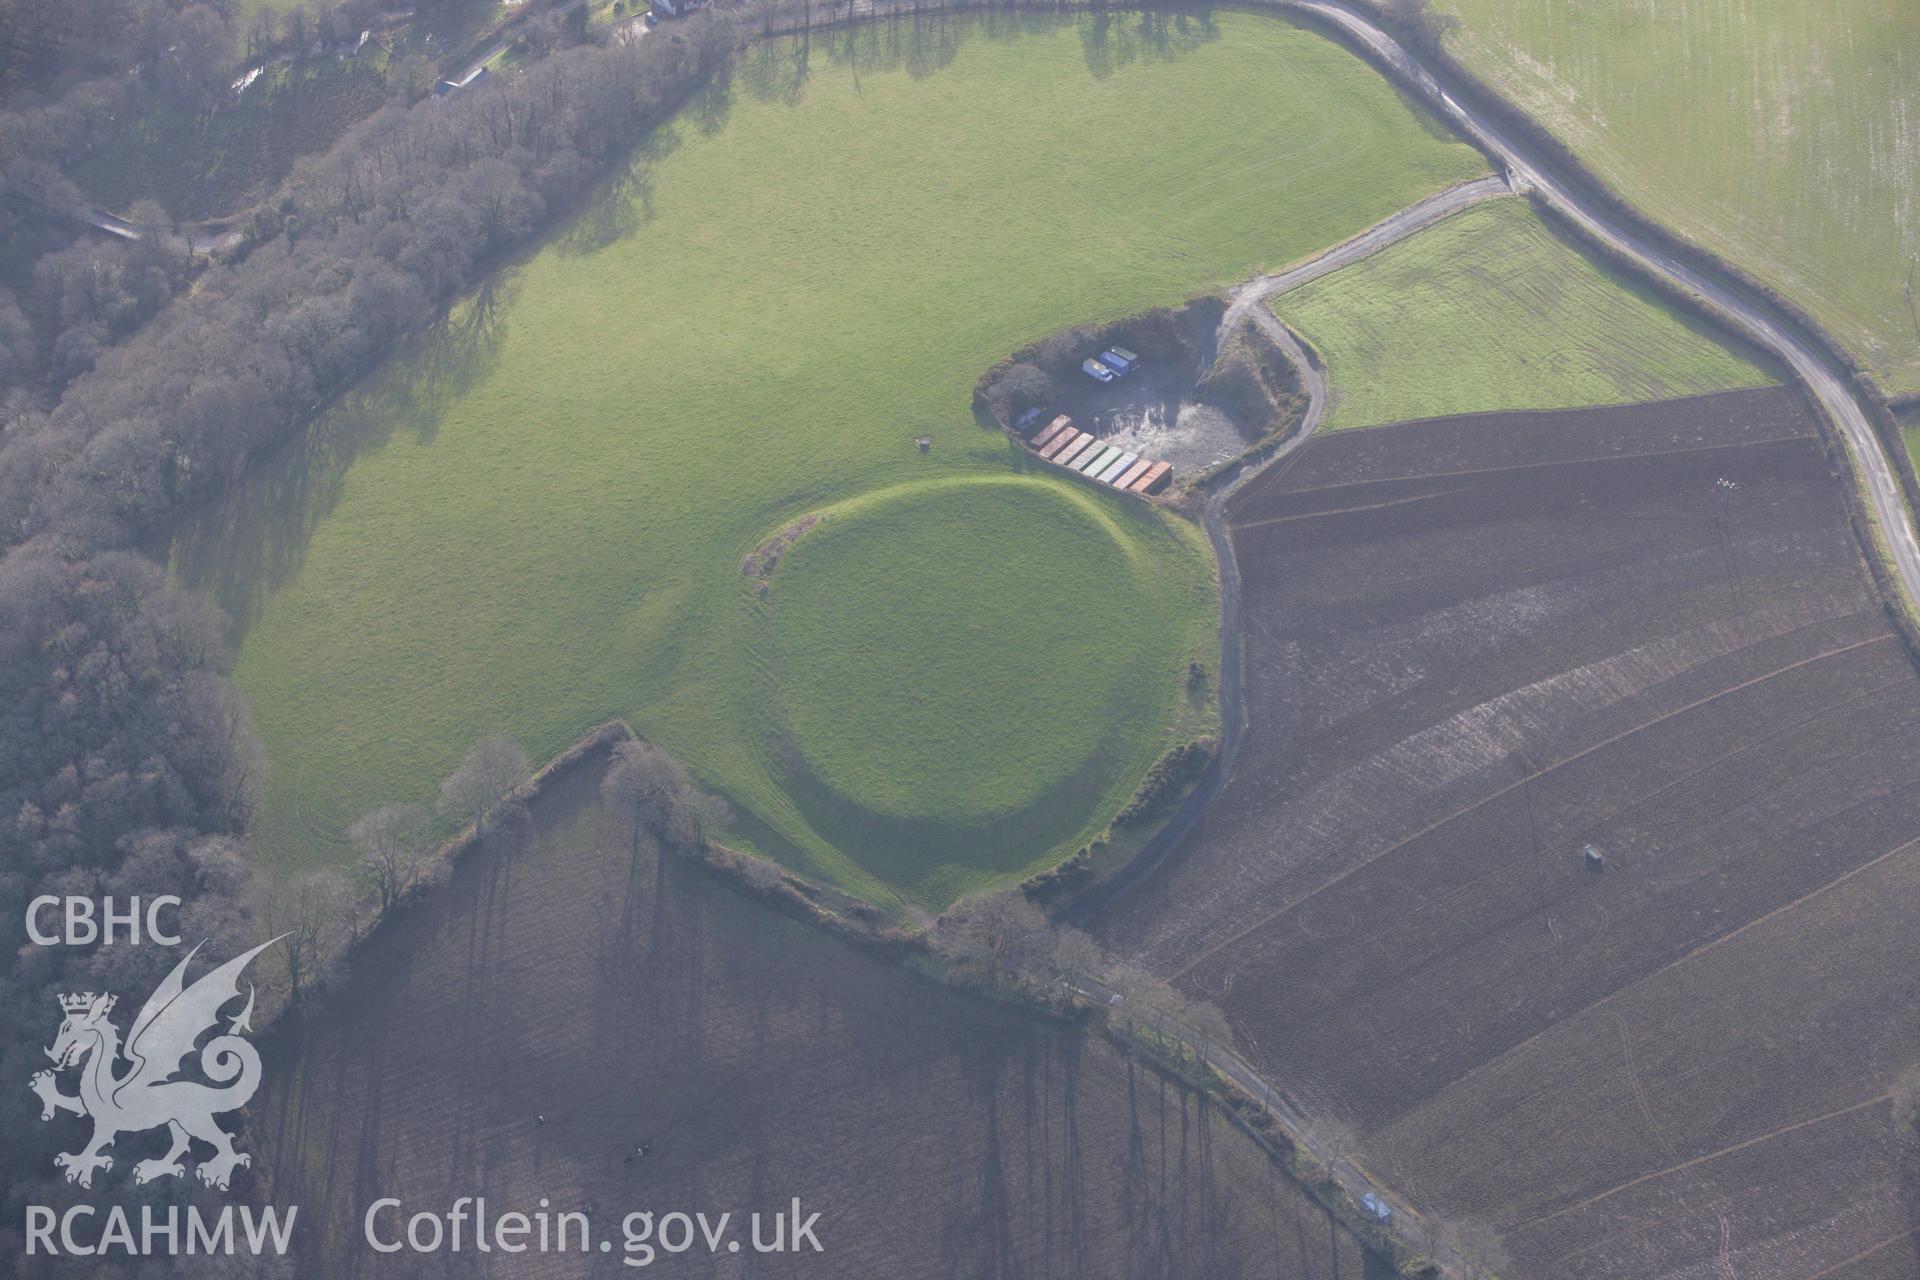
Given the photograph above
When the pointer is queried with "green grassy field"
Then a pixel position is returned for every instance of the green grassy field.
(1494, 309)
(1031, 666)
(536, 521)
(1784, 136)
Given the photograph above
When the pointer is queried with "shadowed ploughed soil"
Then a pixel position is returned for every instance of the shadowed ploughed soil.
(1476, 646)
(633, 1000)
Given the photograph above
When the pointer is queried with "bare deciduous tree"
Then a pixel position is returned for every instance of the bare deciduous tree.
(760, 875)
(1075, 954)
(655, 795)
(1151, 1003)
(487, 777)
(1420, 21)
(310, 916)
(394, 848)
(996, 935)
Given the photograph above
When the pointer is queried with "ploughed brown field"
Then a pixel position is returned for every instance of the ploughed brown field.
(631, 999)
(1476, 646)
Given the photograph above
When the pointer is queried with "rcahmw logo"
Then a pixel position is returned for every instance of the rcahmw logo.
(132, 1087)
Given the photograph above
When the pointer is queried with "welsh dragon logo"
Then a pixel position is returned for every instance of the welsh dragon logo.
(145, 1095)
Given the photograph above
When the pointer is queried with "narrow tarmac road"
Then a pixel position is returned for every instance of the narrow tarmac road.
(1750, 316)
(1406, 1224)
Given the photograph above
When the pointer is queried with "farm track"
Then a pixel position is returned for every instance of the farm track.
(1248, 300)
(1525, 171)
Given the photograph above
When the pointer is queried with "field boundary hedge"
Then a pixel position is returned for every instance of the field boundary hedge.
(761, 881)
(1413, 1251)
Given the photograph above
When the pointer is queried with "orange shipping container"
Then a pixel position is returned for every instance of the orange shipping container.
(1059, 442)
(1126, 478)
(1048, 432)
(1156, 479)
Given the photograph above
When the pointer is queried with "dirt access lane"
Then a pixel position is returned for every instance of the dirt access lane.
(1246, 300)
(1249, 301)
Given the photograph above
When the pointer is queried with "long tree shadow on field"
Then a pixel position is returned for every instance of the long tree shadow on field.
(711, 105)
(622, 204)
(1110, 40)
(251, 538)
(923, 42)
(593, 1023)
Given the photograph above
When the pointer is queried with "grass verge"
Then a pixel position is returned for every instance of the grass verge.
(1492, 309)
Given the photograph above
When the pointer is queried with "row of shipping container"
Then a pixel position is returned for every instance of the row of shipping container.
(1065, 445)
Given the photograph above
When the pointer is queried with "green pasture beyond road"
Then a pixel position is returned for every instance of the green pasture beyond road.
(537, 520)
(1492, 308)
(1783, 135)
